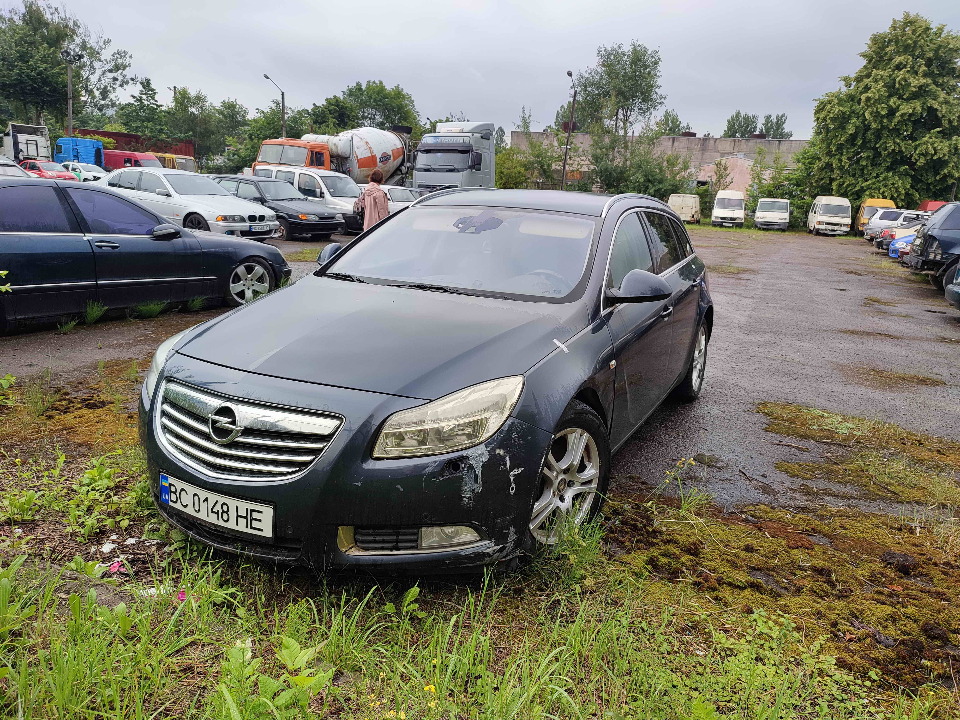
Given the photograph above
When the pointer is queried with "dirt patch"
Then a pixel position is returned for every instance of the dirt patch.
(729, 270)
(879, 379)
(870, 301)
(872, 334)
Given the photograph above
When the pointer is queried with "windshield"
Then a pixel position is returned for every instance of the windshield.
(890, 215)
(400, 195)
(148, 162)
(837, 210)
(773, 206)
(341, 186)
(282, 154)
(443, 160)
(870, 210)
(186, 163)
(280, 191)
(723, 203)
(52, 166)
(491, 250)
(90, 168)
(194, 185)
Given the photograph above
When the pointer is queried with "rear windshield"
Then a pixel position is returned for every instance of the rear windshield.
(773, 206)
(515, 253)
(836, 210)
(890, 215)
(187, 164)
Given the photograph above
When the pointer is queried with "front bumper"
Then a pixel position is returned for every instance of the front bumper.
(832, 229)
(315, 227)
(243, 229)
(771, 225)
(488, 488)
(353, 223)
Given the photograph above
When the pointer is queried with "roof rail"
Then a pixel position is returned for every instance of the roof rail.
(447, 191)
(625, 196)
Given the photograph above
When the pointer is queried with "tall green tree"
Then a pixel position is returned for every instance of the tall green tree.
(671, 124)
(741, 125)
(500, 139)
(381, 107)
(893, 129)
(264, 125)
(775, 127)
(144, 114)
(335, 115)
(512, 167)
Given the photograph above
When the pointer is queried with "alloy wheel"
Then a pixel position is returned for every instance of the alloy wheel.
(700, 359)
(568, 483)
(248, 282)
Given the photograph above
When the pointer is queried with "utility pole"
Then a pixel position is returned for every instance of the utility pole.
(283, 107)
(566, 149)
(70, 57)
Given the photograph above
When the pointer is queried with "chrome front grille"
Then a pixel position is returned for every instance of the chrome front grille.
(233, 439)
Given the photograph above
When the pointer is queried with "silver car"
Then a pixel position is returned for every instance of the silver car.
(193, 201)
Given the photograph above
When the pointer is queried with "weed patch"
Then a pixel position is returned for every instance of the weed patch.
(307, 254)
(870, 301)
(149, 310)
(880, 379)
(94, 312)
(729, 270)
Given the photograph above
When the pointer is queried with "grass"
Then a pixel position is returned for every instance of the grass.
(729, 269)
(869, 301)
(667, 607)
(39, 395)
(94, 312)
(149, 310)
(196, 304)
(67, 326)
(308, 254)
(889, 380)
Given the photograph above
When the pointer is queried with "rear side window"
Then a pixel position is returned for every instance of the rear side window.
(108, 214)
(29, 208)
(229, 185)
(247, 191)
(683, 239)
(665, 246)
(263, 172)
(128, 180)
(630, 250)
(285, 175)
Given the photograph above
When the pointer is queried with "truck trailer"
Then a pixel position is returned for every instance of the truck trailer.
(26, 142)
(458, 154)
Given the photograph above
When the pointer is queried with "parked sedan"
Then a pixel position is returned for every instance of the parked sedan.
(85, 172)
(47, 170)
(193, 201)
(882, 242)
(398, 197)
(937, 250)
(298, 215)
(443, 393)
(66, 244)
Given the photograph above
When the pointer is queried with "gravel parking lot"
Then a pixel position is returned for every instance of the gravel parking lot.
(810, 320)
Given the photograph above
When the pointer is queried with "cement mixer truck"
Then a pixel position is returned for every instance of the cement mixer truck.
(353, 152)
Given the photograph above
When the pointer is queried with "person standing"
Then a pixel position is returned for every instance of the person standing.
(373, 201)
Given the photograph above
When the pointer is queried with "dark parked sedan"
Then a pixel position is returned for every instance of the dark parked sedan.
(299, 216)
(66, 244)
(937, 251)
(442, 393)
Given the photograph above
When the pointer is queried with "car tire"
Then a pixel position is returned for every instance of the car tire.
(283, 232)
(249, 279)
(691, 386)
(577, 458)
(195, 222)
(937, 280)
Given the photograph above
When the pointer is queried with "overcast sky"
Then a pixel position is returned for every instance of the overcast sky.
(487, 58)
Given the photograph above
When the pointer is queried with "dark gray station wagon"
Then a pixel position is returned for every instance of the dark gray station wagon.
(442, 393)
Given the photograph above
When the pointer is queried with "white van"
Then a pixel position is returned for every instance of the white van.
(772, 214)
(829, 215)
(335, 190)
(686, 206)
(728, 208)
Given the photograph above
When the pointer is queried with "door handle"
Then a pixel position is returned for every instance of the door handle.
(666, 312)
(107, 244)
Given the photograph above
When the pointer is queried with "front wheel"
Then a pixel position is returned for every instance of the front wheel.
(248, 281)
(283, 232)
(574, 474)
(195, 222)
(692, 384)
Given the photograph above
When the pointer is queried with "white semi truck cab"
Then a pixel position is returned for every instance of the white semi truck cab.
(26, 142)
(458, 154)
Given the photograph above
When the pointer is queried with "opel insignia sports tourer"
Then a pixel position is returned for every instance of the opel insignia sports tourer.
(444, 392)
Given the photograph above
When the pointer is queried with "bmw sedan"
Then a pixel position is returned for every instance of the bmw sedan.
(66, 244)
(443, 393)
(193, 201)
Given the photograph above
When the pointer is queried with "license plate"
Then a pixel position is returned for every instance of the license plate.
(228, 512)
(259, 228)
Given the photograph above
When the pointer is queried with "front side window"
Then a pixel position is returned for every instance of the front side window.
(665, 245)
(400, 195)
(229, 185)
(341, 186)
(285, 175)
(195, 185)
(514, 253)
(630, 250)
(150, 183)
(31, 208)
(263, 172)
(108, 214)
(307, 184)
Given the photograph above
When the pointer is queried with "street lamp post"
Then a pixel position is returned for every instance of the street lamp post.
(566, 149)
(70, 57)
(283, 107)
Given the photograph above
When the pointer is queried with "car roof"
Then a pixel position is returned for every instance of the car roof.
(251, 178)
(832, 199)
(318, 171)
(160, 170)
(554, 200)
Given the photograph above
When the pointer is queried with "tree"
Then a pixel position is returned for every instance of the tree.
(144, 114)
(512, 166)
(722, 177)
(382, 107)
(500, 139)
(775, 127)
(893, 129)
(621, 90)
(265, 124)
(334, 116)
(741, 125)
(543, 158)
(670, 124)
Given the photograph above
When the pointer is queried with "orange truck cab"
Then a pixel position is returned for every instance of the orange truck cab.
(869, 208)
(287, 151)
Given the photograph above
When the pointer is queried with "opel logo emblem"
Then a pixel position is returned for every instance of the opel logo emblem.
(223, 425)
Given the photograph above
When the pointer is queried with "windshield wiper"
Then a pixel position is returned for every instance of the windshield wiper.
(428, 287)
(344, 276)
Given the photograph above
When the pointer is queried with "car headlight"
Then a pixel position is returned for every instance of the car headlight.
(308, 217)
(338, 217)
(231, 218)
(159, 360)
(459, 420)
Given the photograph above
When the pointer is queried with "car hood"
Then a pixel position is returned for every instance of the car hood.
(225, 205)
(307, 207)
(392, 340)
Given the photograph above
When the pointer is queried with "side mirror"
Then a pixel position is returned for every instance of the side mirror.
(319, 193)
(640, 286)
(476, 161)
(166, 231)
(163, 191)
(328, 252)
